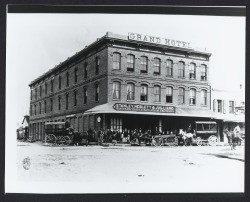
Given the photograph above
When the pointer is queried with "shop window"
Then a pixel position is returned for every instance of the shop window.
(157, 93)
(192, 71)
(85, 96)
(116, 90)
(115, 124)
(144, 92)
(116, 61)
(60, 82)
(85, 70)
(169, 94)
(59, 102)
(169, 68)
(52, 85)
(75, 98)
(181, 96)
(192, 97)
(40, 90)
(76, 74)
(130, 63)
(96, 92)
(181, 69)
(203, 97)
(67, 101)
(130, 91)
(144, 64)
(203, 72)
(51, 104)
(97, 61)
(157, 66)
(231, 107)
(67, 79)
(45, 106)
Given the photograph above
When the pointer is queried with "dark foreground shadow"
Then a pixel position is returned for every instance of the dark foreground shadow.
(225, 157)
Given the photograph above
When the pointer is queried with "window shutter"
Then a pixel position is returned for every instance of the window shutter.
(214, 105)
(224, 106)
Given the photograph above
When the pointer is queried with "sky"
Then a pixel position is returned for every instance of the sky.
(38, 42)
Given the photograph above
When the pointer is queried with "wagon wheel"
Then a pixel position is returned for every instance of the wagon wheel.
(157, 141)
(51, 139)
(67, 140)
(199, 141)
(61, 140)
(212, 140)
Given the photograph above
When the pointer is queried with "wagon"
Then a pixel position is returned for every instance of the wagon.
(170, 140)
(206, 133)
(58, 133)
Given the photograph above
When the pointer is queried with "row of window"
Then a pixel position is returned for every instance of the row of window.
(97, 62)
(85, 98)
(157, 94)
(220, 106)
(157, 66)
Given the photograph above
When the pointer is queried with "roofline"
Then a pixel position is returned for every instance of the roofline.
(102, 39)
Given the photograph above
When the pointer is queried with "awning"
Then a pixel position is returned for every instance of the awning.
(179, 111)
(238, 118)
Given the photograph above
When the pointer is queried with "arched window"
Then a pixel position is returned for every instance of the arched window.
(45, 106)
(97, 61)
(130, 91)
(40, 90)
(96, 92)
(157, 93)
(85, 96)
(67, 101)
(181, 96)
(46, 88)
(169, 94)
(169, 68)
(157, 66)
(75, 97)
(35, 108)
(181, 69)
(59, 102)
(59, 82)
(31, 110)
(67, 79)
(130, 63)
(116, 90)
(192, 71)
(203, 72)
(51, 104)
(144, 92)
(36, 93)
(76, 74)
(144, 64)
(116, 61)
(192, 97)
(85, 70)
(52, 85)
(203, 97)
(40, 108)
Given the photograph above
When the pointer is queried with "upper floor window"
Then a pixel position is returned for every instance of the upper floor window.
(181, 69)
(144, 92)
(85, 96)
(203, 97)
(157, 93)
(96, 92)
(157, 66)
(36, 93)
(130, 91)
(45, 106)
(97, 61)
(203, 72)
(59, 82)
(40, 90)
(219, 106)
(67, 79)
(40, 108)
(35, 108)
(116, 90)
(31, 110)
(52, 85)
(76, 74)
(67, 101)
(130, 63)
(181, 96)
(46, 88)
(85, 70)
(75, 98)
(231, 106)
(59, 102)
(116, 61)
(169, 94)
(192, 71)
(51, 104)
(192, 97)
(169, 68)
(144, 64)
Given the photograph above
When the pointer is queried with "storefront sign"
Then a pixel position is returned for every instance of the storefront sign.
(144, 108)
(158, 40)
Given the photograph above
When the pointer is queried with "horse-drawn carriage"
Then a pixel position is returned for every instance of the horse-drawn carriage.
(59, 133)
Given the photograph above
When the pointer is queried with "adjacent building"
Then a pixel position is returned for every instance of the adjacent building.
(125, 82)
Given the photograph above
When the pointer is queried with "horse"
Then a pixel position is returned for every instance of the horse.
(187, 138)
(234, 139)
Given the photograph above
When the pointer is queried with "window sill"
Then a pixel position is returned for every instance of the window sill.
(204, 105)
(144, 101)
(192, 104)
(179, 77)
(156, 74)
(157, 102)
(116, 99)
(130, 100)
(169, 103)
(203, 80)
(116, 69)
(130, 71)
(192, 78)
(144, 73)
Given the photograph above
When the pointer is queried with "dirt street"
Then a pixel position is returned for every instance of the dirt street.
(135, 169)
